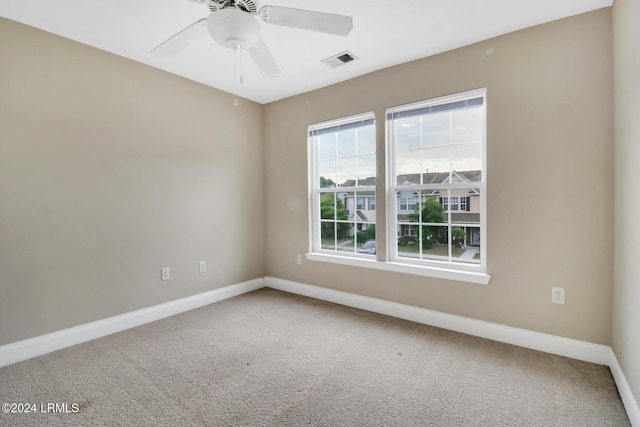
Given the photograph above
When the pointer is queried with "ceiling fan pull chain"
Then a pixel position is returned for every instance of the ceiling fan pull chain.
(241, 69)
(237, 62)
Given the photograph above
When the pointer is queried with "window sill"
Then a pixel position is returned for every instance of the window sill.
(399, 267)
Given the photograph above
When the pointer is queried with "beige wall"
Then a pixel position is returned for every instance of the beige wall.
(550, 174)
(110, 170)
(626, 301)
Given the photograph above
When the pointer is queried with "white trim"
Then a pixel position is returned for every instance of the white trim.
(459, 275)
(567, 347)
(630, 404)
(37, 346)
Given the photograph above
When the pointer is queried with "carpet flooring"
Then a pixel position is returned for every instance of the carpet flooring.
(269, 358)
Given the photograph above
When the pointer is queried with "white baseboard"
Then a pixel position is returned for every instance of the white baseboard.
(630, 404)
(575, 349)
(37, 346)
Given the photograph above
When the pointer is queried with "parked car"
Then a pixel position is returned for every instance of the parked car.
(369, 247)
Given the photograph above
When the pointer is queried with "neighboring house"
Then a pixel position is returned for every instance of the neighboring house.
(462, 204)
(361, 207)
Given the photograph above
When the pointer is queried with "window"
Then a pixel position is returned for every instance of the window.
(409, 231)
(343, 165)
(438, 147)
(435, 191)
(457, 203)
(407, 203)
(463, 203)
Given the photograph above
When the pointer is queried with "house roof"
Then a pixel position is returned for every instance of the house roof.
(362, 182)
(427, 178)
(440, 177)
(366, 216)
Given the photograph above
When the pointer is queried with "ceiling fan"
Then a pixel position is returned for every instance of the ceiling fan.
(233, 24)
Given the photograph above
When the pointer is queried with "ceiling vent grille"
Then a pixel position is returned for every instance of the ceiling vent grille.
(340, 59)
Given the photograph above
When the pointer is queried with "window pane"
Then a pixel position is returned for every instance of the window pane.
(407, 241)
(467, 125)
(327, 235)
(408, 133)
(366, 239)
(435, 242)
(346, 235)
(345, 205)
(467, 158)
(405, 204)
(327, 206)
(327, 173)
(367, 170)
(431, 208)
(464, 250)
(436, 160)
(366, 140)
(435, 129)
(347, 171)
(326, 145)
(346, 142)
(368, 200)
(408, 167)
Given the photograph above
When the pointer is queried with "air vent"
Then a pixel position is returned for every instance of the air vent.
(340, 59)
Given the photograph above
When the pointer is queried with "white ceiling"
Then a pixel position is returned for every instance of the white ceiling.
(385, 33)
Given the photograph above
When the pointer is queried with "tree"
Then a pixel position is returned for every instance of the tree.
(326, 182)
(331, 212)
(432, 212)
(458, 236)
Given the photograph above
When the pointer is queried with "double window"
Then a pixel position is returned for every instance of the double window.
(434, 197)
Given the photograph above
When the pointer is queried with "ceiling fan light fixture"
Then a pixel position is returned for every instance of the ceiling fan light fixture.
(232, 27)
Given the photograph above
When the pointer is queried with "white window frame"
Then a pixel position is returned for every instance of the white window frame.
(393, 208)
(315, 243)
(388, 260)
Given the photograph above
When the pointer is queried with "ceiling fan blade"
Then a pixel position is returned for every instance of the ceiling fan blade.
(182, 39)
(263, 59)
(339, 25)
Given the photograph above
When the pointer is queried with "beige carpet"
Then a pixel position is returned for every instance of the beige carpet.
(270, 358)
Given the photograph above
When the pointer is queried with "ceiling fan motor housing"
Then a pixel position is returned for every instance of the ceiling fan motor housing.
(232, 27)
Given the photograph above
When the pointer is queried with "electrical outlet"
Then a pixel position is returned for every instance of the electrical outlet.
(166, 273)
(299, 259)
(557, 295)
(202, 267)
